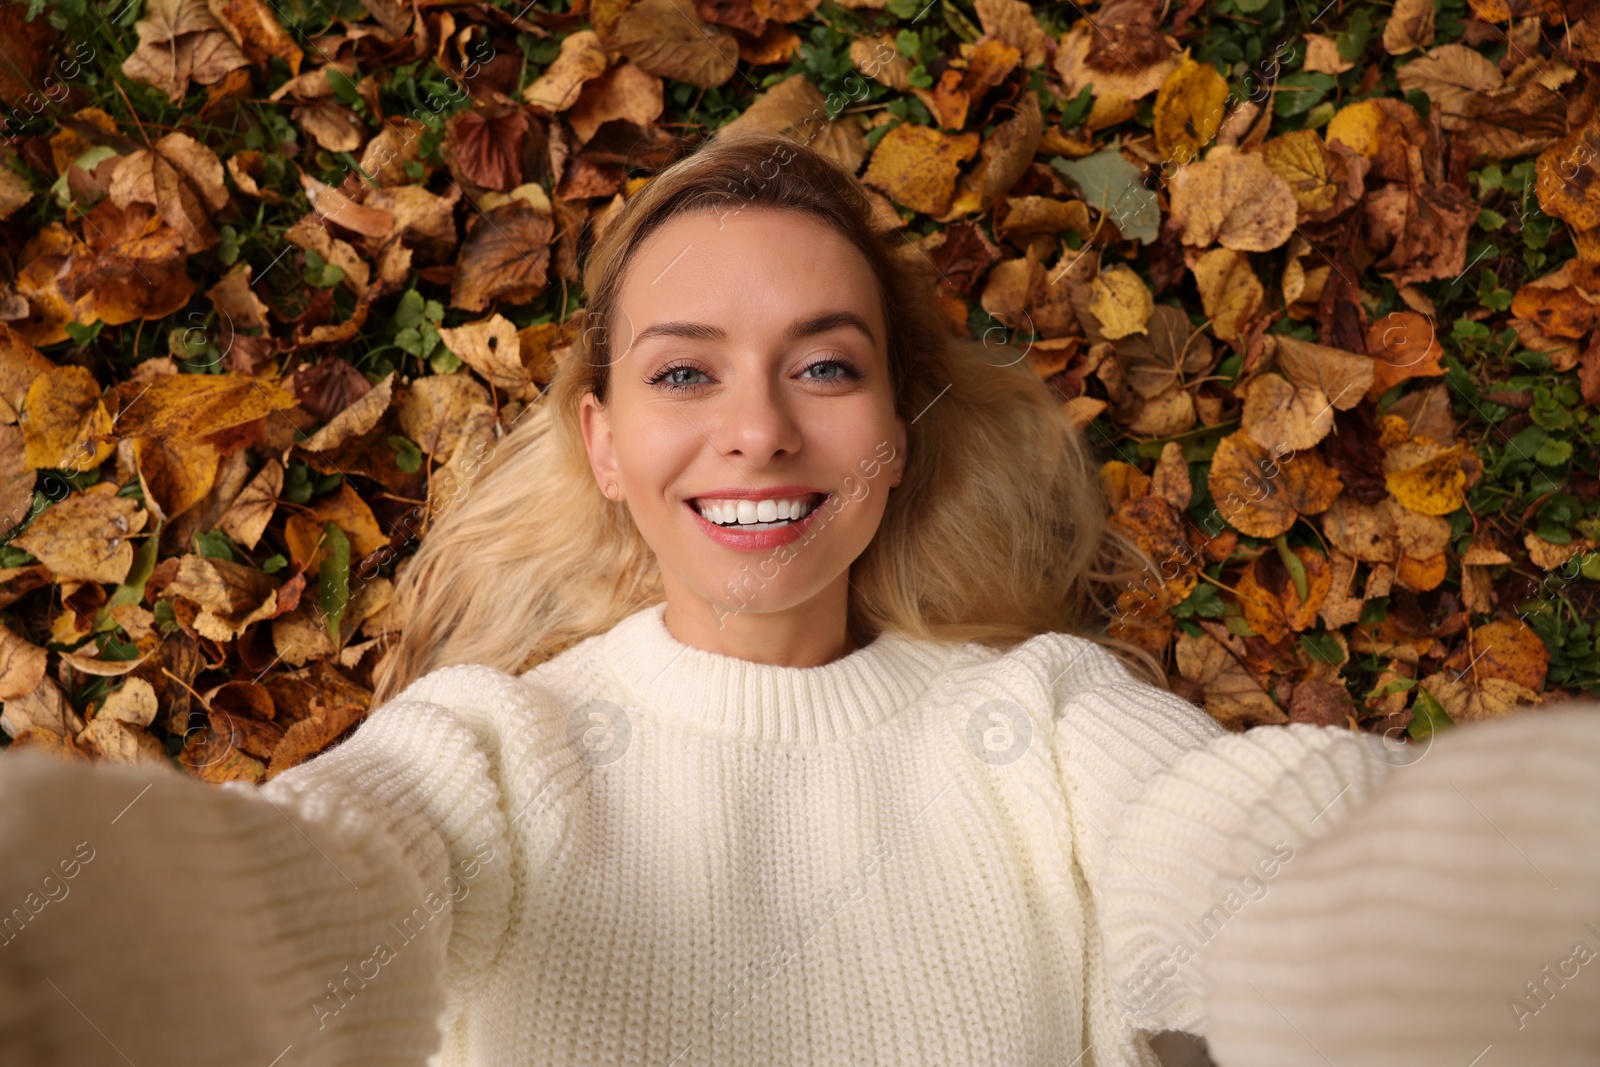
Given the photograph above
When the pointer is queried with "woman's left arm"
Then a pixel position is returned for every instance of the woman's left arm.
(1451, 920)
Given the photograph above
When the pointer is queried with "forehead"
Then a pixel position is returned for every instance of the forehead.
(740, 265)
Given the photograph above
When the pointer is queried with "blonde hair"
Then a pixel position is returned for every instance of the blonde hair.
(993, 534)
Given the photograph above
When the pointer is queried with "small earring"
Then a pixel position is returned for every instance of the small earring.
(611, 490)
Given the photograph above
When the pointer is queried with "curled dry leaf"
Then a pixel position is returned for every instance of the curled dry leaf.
(1261, 494)
(581, 58)
(356, 419)
(247, 517)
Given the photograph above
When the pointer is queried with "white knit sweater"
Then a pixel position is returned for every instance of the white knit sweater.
(644, 853)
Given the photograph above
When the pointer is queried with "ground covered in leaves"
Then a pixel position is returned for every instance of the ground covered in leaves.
(1320, 282)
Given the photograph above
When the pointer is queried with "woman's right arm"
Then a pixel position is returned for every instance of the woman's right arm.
(327, 917)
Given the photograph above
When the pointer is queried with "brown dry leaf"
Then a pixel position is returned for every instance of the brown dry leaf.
(504, 257)
(45, 707)
(64, 423)
(20, 364)
(1548, 556)
(1556, 305)
(1247, 497)
(1410, 26)
(175, 475)
(256, 29)
(346, 510)
(188, 407)
(1468, 699)
(1122, 302)
(1342, 377)
(331, 124)
(1133, 73)
(396, 144)
(1232, 696)
(332, 205)
(1283, 416)
(230, 595)
(179, 177)
(1013, 22)
(1271, 603)
(490, 347)
(1233, 199)
(488, 148)
(581, 59)
(308, 234)
(86, 536)
(1403, 345)
(664, 39)
(1516, 121)
(794, 107)
(133, 702)
(1229, 291)
(1189, 110)
(180, 41)
(1322, 55)
(248, 515)
(1170, 480)
(624, 92)
(114, 741)
(917, 166)
(1362, 531)
(1300, 159)
(354, 420)
(1568, 182)
(1451, 74)
(436, 408)
(1507, 10)
(22, 665)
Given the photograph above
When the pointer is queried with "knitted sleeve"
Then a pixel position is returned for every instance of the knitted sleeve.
(328, 917)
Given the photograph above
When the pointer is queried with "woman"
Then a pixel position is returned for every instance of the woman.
(739, 720)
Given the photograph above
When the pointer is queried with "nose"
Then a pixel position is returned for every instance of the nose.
(755, 420)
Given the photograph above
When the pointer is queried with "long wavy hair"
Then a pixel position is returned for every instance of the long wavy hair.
(996, 533)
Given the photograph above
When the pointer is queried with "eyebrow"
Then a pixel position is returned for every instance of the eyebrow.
(829, 320)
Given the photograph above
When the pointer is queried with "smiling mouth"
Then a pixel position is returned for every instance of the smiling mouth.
(731, 516)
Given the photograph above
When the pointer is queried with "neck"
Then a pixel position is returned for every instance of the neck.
(808, 634)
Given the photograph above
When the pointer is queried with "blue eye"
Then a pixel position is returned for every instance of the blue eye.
(845, 371)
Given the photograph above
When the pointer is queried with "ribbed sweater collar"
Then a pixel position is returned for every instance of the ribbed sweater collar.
(737, 697)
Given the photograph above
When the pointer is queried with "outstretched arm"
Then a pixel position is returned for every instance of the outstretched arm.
(328, 917)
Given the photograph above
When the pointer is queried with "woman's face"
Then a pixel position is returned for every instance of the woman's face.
(751, 372)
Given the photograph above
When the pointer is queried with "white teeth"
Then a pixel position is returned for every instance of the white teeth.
(754, 514)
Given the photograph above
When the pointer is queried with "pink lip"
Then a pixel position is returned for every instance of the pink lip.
(755, 540)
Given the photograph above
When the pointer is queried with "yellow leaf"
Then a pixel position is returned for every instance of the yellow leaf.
(917, 166)
(64, 423)
(1300, 159)
(1190, 107)
(1229, 291)
(1122, 302)
(1435, 486)
(86, 536)
(1357, 126)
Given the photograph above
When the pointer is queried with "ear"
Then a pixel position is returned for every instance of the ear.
(596, 426)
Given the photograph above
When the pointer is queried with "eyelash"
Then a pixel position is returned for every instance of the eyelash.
(847, 369)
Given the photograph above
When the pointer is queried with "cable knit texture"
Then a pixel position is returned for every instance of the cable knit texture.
(645, 853)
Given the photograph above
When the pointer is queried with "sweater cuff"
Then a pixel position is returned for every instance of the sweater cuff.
(191, 925)
(1209, 838)
(1452, 920)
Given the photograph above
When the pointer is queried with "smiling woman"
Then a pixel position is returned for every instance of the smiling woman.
(743, 715)
(750, 346)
